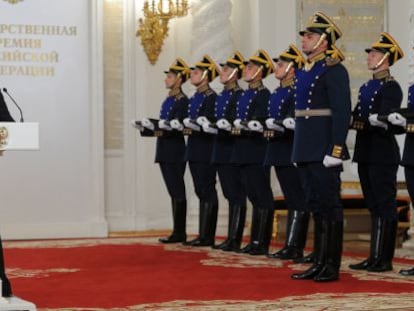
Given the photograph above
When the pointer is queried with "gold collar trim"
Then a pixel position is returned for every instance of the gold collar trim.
(287, 82)
(380, 75)
(203, 88)
(230, 86)
(174, 92)
(255, 85)
(311, 62)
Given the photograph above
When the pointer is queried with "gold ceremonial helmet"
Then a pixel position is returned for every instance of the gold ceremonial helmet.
(179, 67)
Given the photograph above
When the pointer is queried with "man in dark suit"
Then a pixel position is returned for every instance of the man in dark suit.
(4, 111)
(6, 286)
(249, 150)
(229, 174)
(170, 151)
(200, 148)
(279, 153)
(407, 123)
(377, 152)
(323, 110)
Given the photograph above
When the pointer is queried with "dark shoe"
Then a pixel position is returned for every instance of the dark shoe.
(308, 274)
(236, 228)
(310, 258)
(331, 251)
(260, 246)
(327, 274)
(179, 211)
(173, 238)
(222, 245)
(408, 272)
(297, 228)
(246, 249)
(191, 242)
(233, 246)
(287, 253)
(374, 247)
(363, 265)
(387, 231)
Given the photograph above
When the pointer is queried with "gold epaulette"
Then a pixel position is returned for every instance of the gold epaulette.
(261, 88)
(237, 88)
(330, 61)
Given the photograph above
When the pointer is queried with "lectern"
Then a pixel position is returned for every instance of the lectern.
(18, 136)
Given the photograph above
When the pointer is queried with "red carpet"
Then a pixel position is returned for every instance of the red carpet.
(140, 274)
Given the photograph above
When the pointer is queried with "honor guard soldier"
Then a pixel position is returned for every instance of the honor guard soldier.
(323, 113)
(377, 152)
(200, 147)
(229, 174)
(170, 151)
(405, 119)
(5, 283)
(279, 152)
(249, 150)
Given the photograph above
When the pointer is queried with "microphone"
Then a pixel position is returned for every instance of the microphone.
(21, 112)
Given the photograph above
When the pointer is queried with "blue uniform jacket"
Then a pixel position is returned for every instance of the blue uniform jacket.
(375, 145)
(408, 155)
(324, 86)
(281, 106)
(199, 144)
(252, 105)
(171, 146)
(226, 104)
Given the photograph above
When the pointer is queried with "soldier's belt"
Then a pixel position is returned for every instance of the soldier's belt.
(306, 113)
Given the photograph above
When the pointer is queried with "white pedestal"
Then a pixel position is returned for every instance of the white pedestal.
(16, 304)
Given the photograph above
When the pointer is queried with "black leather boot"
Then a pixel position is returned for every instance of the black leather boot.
(226, 242)
(296, 231)
(407, 272)
(6, 286)
(319, 253)
(374, 246)
(333, 235)
(388, 233)
(253, 232)
(236, 229)
(264, 234)
(179, 211)
(311, 257)
(208, 223)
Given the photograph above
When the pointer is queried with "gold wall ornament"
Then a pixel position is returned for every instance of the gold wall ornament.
(153, 28)
(4, 135)
(13, 1)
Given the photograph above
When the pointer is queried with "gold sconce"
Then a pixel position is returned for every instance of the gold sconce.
(153, 28)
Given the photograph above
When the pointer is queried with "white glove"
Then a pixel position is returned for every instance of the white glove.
(329, 161)
(223, 124)
(147, 124)
(187, 122)
(255, 126)
(208, 129)
(163, 125)
(373, 120)
(238, 125)
(134, 124)
(201, 120)
(396, 119)
(176, 125)
(289, 123)
(270, 124)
